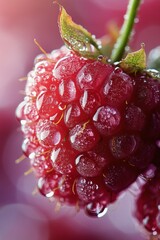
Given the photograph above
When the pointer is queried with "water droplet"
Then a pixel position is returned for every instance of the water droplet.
(62, 106)
(153, 73)
(53, 87)
(96, 209)
(150, 173)
(125, 17)
(55, 154)
(136, 20)
(44, 188)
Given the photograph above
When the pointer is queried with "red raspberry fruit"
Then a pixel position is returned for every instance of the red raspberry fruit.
(92, 138)
(147, 205)
(90, 127)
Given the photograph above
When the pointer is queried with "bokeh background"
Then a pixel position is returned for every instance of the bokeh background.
(24, 215)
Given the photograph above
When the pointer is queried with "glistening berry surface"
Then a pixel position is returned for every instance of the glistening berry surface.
(87, 127)
(147, 205)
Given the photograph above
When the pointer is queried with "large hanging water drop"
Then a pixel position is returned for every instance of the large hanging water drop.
(96, 209)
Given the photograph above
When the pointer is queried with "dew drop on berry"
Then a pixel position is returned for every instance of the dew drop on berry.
(56, 54)
(30, 112)
(65, 186)
(40, 161)
(107, 120)
(67, 90)
(90, 164)
(43, 67)
(28, 128)
(63, 159)
(31, 89)
(20, 111)
(48, 134)
(68, 66)
(90, 101)
(48, 184)
(83, 137)
(46, 104)
(61, 106)
(89, 189)
(118, 89)
(92, 75)
(43, 78)
(65, 189)
(57, 118)
(28, 146)
(96, 209)
(73, 114)
(44, 187)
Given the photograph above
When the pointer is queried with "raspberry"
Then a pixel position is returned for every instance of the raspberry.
(147, 205)
(63, 159)
(90, 127)
(95, 138)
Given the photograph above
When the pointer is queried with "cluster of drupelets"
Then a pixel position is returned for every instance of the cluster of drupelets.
(90, 130)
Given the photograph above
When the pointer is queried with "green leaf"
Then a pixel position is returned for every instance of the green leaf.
(134, 62)
(76, 37)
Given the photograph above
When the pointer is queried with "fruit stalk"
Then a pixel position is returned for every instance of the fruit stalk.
(125, 31)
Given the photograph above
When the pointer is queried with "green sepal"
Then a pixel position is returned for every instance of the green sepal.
(76, 37)
(134, 62)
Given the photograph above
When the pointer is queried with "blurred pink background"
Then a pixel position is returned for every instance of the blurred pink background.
(22, 215)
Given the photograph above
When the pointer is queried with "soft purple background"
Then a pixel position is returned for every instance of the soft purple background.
(23, 216)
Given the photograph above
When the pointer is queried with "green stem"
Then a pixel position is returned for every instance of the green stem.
(125, 31)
